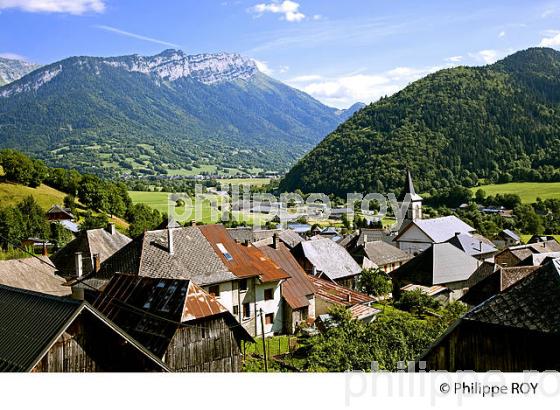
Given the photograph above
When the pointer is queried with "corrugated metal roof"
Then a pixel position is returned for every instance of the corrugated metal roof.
(330, 258)
(429, 290)
(29, 324)
(337, 294)
(360, 312)
(298, 288)
(35, 274)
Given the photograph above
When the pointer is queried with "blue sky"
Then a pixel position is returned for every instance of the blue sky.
(338, 51)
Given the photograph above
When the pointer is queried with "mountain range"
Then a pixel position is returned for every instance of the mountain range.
(458, 126)
(12, 70)
(168, 113)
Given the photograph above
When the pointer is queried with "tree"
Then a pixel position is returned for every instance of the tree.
(92, 193)
(142, 218)
(374, 282)
(416, 301)
(480, 195)
(92, 221)
(21, 169)
(33, 218)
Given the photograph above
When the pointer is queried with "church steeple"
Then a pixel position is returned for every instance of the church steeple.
(414, 210)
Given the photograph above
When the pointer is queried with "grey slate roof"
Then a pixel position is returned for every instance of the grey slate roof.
(533, 303)
(290, 238)
(441, 229)
(381, 253)
(330, 258)
(193, 258)
(441, 263)
(36, 274)
(511, 234)
(471, 245)
(91, 242)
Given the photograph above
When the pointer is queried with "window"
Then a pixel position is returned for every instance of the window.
(243, 285)
(236, 310)
(246, 310)
(269, 318)
(269, 294)
(304, 313)
(224, 251)
(214, 290)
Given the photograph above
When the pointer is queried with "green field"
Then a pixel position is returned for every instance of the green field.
(528, 191)
(245, 181)
(11, 194)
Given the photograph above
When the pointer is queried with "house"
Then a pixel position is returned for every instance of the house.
(298, 291)
(419, 234)
(441, 264)
(508, 238)
(474, 245)
(541, 238)
(88, 250)
(59, 213)
(379, 254)
(43, 333)
(514, 255)
(241, 277)
(498, 281)
(514, 331)
(329, 294)
(177, 321)
(37, 274)
(327, 259)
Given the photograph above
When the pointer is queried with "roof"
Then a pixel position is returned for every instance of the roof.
(148, 255)
(37, 274)
(330, 258)
(381, 253)
(69, 225)
(298, 287)
(31, 322)
(439, 229)
(91, 242)
(59, 209)
(290, 238)
(499, 280)
(537, 259)
(511, 234)
(360, 312)
(440, 264)
(533, 303)
(329, 231)
(337, 294)
(243, 261)
(428, 290)
(471, 245)
(152, 309)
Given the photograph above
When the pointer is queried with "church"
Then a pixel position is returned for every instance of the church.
(416, 234)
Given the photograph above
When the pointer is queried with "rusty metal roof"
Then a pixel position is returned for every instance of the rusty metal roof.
(340, 295)
(243, 261)
(360, 312)
(298, 288)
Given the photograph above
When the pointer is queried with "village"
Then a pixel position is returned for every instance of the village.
(206, 298)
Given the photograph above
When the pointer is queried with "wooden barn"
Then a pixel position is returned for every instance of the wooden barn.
(44, 333)
(177, 321)
(514, 331)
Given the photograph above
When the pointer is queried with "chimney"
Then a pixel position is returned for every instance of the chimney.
(246, 243)
(365, 238)
(170, 244)
(111, 228)
(78, 264)
(457, 233)
(193, 223)
(45, 250)
(349, 298)
(96, 263)
(275, 240)
(480, 246)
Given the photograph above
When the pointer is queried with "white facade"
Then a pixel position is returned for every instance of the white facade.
(414, 240)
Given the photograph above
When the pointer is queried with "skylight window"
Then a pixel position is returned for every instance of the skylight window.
(225, 252)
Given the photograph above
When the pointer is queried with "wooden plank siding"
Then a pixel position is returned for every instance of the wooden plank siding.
(206, 346)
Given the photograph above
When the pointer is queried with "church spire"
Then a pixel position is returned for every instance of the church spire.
(409, 186)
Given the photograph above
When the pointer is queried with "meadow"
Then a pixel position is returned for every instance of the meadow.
(528, 191)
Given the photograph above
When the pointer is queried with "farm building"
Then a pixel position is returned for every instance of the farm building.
(43, 333)
(177, 321)
(513, 331)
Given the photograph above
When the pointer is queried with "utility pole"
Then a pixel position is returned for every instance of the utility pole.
(264, 346)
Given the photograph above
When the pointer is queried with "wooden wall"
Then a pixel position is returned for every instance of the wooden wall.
(204, 346)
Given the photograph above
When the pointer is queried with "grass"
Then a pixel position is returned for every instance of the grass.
(525, 238)
(528, 191)
(245, 181)
(11, 194)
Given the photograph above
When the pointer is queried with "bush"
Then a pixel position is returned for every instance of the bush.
(416, 301)
(374, 282)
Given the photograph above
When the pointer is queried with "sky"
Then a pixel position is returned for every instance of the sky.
(340, 52)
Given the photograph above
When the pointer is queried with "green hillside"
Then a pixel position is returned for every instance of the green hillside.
(499, 122)
(528, 191)
(11, 194)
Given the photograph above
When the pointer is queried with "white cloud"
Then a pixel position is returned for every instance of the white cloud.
(13, 56)
(552, 39)
(136, 36)
(76, 7)
(454, 59)
(288, 9)
(502, 34)
(263, 67)
(345, 90)
(485, 56)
